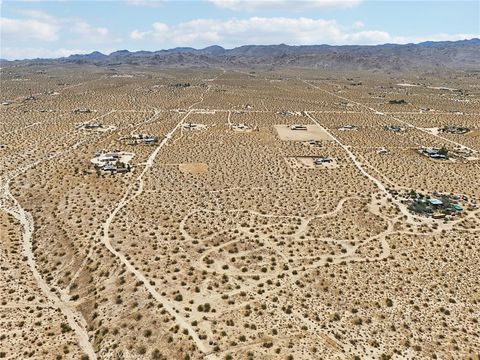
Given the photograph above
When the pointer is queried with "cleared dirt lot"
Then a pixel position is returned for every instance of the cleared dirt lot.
(313, 132)
(194, 168)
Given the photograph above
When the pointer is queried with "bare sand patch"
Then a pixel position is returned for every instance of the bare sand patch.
(433, 130)
(474, 133)
(407, 85)
(193, 168)
(313, 132)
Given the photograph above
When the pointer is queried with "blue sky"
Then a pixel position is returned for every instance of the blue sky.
(32, 29)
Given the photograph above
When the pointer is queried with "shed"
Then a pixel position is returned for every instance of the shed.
(322, 160)
(457, 207)
(298, 127)
(110, 168)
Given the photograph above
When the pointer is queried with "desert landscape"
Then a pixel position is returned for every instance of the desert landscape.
(217, 212)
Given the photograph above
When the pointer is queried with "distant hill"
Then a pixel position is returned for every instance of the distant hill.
(464, 54)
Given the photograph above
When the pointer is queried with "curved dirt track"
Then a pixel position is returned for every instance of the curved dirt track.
(250, 237)
(134, 190)
(74, 318)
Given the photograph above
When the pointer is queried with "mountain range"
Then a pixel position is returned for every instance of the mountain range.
(464, 54)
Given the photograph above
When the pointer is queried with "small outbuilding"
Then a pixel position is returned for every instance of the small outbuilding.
(457, 207)
(298, 127)
(435, 202)
(347, 127)
(82, 110)
(322, 160)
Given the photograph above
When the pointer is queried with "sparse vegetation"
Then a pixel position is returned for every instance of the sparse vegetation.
(231, 242)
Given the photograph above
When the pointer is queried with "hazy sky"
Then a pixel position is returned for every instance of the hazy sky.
(32, 29)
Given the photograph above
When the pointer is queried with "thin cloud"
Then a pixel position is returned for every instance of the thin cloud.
(36, 14)
(40, 26)
(15, 53)
(434, 37)
(28, 29)
(139, 35)
(273, 30)
(90, 33)
(257, 30)
(299, 5)
(146, 3)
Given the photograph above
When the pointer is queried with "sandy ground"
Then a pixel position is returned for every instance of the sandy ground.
(223, 245)
(193, 168)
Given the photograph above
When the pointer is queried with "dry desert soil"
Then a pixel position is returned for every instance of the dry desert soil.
(223, 241)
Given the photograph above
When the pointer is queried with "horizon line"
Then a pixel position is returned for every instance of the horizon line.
(189, 48)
